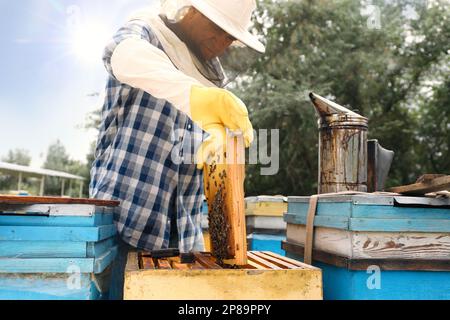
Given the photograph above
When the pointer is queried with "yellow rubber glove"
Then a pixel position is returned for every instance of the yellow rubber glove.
(214, 147)
(214, 106)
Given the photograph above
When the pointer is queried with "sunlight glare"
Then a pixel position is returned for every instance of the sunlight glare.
(89, 40)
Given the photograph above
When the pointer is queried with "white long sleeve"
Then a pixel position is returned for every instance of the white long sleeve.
(138, 63)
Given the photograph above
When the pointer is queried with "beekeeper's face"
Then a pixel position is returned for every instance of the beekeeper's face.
(207, 39)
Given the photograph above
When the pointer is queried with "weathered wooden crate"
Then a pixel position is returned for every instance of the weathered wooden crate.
(52, 248)
(267, 276)
(406, 239)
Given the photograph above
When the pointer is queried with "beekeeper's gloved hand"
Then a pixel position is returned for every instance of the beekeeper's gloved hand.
(214, 147)
(214, 106)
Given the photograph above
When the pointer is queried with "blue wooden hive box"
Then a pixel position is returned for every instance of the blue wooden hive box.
(55, 248)
(376, 246)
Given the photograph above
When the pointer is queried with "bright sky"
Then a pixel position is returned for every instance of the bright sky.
(50, 64)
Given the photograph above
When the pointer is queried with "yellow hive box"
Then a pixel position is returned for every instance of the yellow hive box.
(266, 206)
(267, 277)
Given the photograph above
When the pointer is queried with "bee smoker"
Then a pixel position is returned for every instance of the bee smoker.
(347, 160)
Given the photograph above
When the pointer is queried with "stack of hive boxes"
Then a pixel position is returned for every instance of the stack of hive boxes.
(376, 246)
(52, 248)
(266, 228)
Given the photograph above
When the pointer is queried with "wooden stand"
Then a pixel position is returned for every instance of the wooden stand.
(224, 190)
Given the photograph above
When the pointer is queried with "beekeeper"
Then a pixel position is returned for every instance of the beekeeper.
(164, 93)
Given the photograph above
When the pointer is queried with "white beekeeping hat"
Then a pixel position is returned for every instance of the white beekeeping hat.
(233, 16)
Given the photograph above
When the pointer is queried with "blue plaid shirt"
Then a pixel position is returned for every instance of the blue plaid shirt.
(134, 164)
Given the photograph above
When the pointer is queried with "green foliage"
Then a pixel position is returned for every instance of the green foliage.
(59, 160)
(18, 156)
(327, 47)
(9, 181)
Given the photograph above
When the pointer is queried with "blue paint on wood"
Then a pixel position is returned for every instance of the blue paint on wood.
(322, 221)
(43, 287)
(343, 284)
(42, 249)
(77, 234)
(106, 232)
(97, 249)
(400, 225)
(384, 218)
(54, 249)
(101, 263)
(343, 209)
(261, 242)
(389, 212)
(45, 221)
(48, 287)
(58, 265)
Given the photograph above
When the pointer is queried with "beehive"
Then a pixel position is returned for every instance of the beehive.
(266, 228)
(376, 246)
(267, 276)
(53, 248)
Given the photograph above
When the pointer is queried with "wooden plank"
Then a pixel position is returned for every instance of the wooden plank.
(58, 265)
(46, 221)
(164, 264)
(77, 234)
(65, 265)
(254, 265)
(132, 262)
(324, 208)
(206, 261)
(318, 255)
(400, 225)
(262, 261)
(263, 285)
(295, 262)
(369, 224)
(364, 264)
(319, 221)
(42, 249)
(56, 200)
(331, 240)
(102, 262)
(176, 264)
(57, 210)
(281, 263)
(45, 287)
(375, 245)
(265, 223)
(389, 212)
(265, 208)
(147, 263)
(197, 266)
(388, 245)
(427, 186)
(97, 249)
(224, 183)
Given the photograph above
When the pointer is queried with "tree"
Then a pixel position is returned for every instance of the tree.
(9, 181)
(59, 160)
(57, 157)
(329, 48)
(18, 156)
